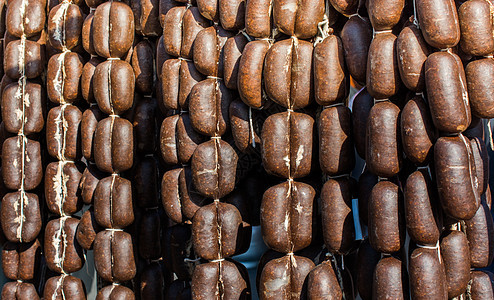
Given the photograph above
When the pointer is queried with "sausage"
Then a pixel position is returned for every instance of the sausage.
(322, 283)
(456, 257)
(113, 149)
(345, 7)
(87, 229)
(386, 228)
(16, 115)
(479, 74)
(27, 58)
(383, 77)
(481, 286)
(336, 154)
(180, 29)
(87, 82)
(21, 163)
(64, 286)
(476, 26)
(117, 41)
(215, 230)
(63, 132)
(63, 77)
(337, 216)
(421, 209)
(384, 15)
(331, 84)
(412, 52)
(243, 126)
(287, 73)
(143, 65)
(447, 92)
(114, 257)
(208, 54)
(113, 206)
(144, 122)
(179, 200)
(152, 282)
(299, 19)
(233, 49)
(481, 158)
(286, 216)
(206, 97)
(19, 290)
(145, 180)
(427, 275)
(390, 279)
(225, 279)
(456, 177)
(287, 144)
(258, 18)
(62, 193)
(383, 145)
(21, 261)
(480, 235)
(284, 277)
(149, 235)
(87, 34)
(65, 26)
(366, 182)
(214, 165)
(23, 19)
(62, 252)
(90, 178)
(113, 86)
(231, 14)
(114, 292)
(356, 36)
(20, 225)
(438, 22)
(417, 131)
(250, 70)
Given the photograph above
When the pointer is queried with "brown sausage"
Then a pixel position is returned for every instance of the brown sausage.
(286, 216)
(215, 230)
(337, 217)
(336, 154)
(383, 77)
(476, 26)
(480, 78)
(417, 131)
(250, 70)
(427, 275)
(412, 51)
(330, 79)
(480, 234)
(421, 209)
(439, 22)
(390, 279)
(386, 228)
(447, 92)
(456, 178)
(356, 36)
(383, 149)
(323, 284)
(456, 257)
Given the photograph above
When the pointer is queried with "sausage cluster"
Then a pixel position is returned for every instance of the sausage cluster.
(154, 134)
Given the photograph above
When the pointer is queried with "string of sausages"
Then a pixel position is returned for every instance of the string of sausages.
(256, 127)
(23, 118)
